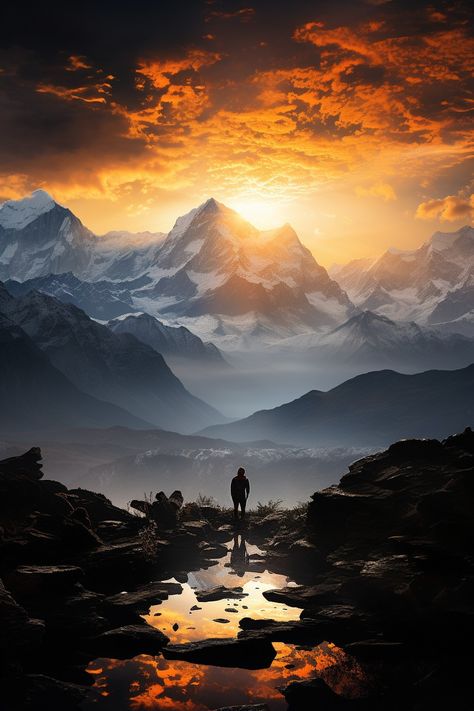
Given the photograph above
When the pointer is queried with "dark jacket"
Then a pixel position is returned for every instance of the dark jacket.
(239, 488)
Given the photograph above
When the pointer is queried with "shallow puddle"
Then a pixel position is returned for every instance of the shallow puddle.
(156, 683)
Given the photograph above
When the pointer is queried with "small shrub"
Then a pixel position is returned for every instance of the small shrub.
(297, 515)
(203, 500)
(270, 507)
(149, 539)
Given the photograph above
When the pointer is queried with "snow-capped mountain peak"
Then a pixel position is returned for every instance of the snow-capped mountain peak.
(17, 214)
(442, 241)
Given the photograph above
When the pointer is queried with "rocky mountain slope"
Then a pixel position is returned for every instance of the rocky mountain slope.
(40, 237)
(102, 300)
(36, 396)
(171, 341)
(115, 367)
(370, 409)
(213, 270)
(431, 284)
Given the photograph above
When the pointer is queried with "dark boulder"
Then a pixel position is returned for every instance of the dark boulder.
(30, 581)
(98, 506)
(127, 642)
(129, 605)
(241, 653)
(18, 631)
(37, 691)
(26, 465)
(314, 693)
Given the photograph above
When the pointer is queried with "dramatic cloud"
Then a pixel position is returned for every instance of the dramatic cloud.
(280, 102)
(450, 208)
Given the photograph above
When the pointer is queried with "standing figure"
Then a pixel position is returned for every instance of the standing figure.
(239, 490)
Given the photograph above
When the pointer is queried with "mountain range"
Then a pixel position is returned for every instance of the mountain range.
(114, 367)
(431, 285)
(215, 290)
(369, 410)
(370, 340)
(213, 270)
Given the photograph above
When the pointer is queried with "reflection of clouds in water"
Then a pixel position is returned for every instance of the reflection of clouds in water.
(156, 683)
(161, 684)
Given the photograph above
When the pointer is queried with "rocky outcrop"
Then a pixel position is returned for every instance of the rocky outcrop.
(383, 564)
(389, 573)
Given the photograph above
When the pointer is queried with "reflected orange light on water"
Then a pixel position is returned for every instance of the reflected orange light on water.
(162, 684)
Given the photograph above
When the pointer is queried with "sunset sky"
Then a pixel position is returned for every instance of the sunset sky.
(350, 119)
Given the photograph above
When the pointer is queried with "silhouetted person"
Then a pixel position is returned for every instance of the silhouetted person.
(238, 555)
(239, 490)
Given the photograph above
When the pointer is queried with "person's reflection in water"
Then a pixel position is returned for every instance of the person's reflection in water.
(239, 558)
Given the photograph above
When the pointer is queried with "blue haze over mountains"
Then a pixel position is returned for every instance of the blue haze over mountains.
(193, 331)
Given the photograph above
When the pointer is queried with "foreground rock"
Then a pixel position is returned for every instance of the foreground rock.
(132, 604)
(393, 577)
(128, 641)
(242, 653)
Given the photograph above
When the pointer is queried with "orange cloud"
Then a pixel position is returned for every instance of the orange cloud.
(160, 73)
(449, 208)
(378, 190)
(76, 62)
(88, 94)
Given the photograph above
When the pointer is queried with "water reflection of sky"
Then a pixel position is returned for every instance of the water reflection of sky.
(156, 683)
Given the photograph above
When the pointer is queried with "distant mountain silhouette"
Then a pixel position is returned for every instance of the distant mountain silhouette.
(368, 410)
(170, 341)
(115, 367)
(37, 396)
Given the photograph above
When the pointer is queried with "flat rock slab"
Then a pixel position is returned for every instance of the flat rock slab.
(288, 632)
(220, 593)
(214, 550)
(303, 596)
(127, 642)
(32, 580)
(140, 600)
(241, 653)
